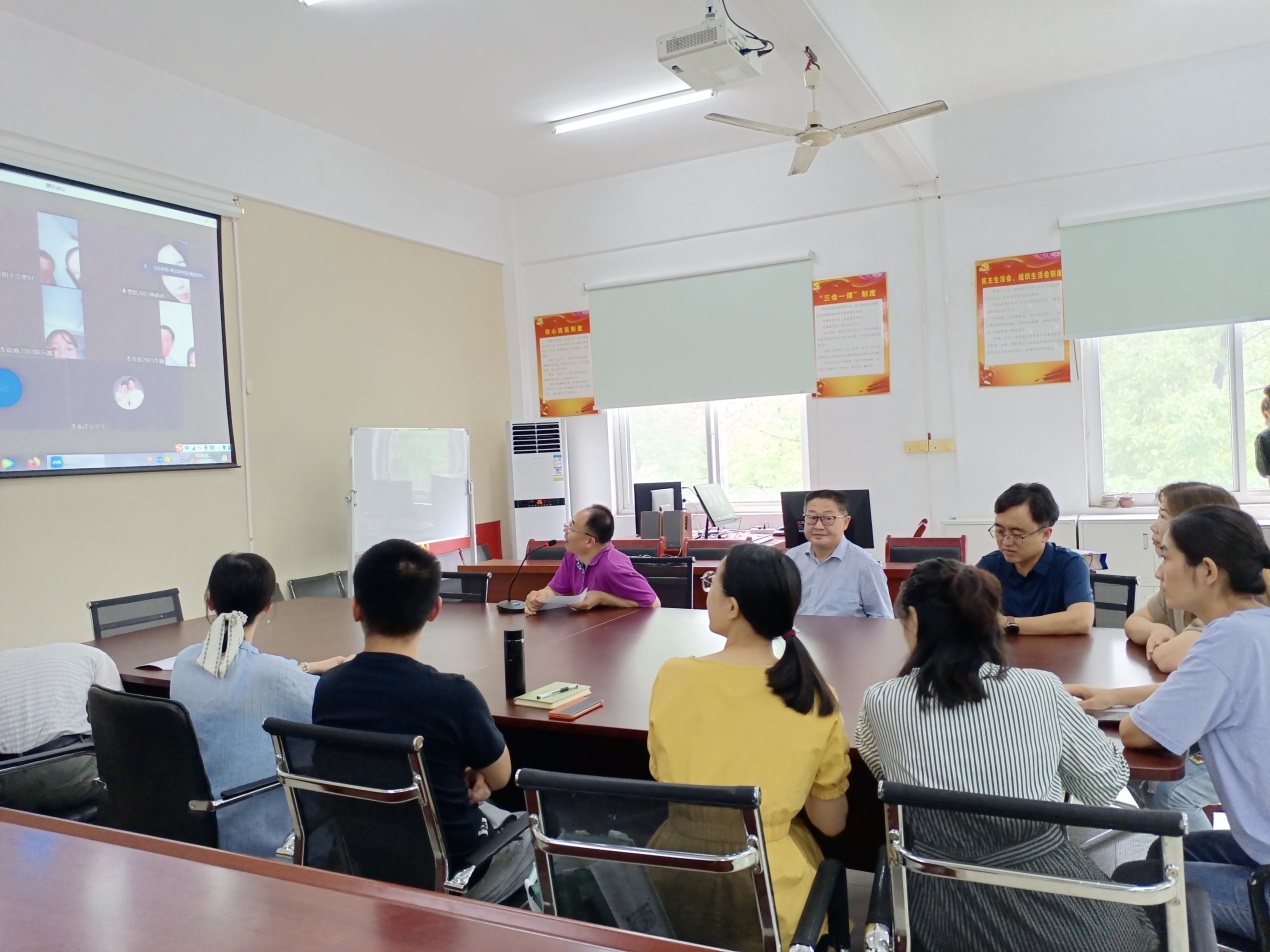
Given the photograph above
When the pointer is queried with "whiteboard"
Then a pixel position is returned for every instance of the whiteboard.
(410, 484)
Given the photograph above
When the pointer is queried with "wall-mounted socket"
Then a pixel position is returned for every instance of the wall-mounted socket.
(929, 446)
(942, 446)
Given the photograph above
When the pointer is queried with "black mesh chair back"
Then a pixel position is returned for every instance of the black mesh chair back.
(941, 841)
(1114, 598)
(465, 586)
(149, 762)
(360, 803)
(670, 577)
(277, 592)
(342, 577)
(673, 860)
(114, 616)
(317, 586)
(537, 549)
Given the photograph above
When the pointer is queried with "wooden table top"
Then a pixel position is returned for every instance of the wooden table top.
(619, 651)
(71, 887)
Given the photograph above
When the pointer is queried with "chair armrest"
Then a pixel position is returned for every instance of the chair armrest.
(236, 795)
(511, 829)
(828, 896)
(46, 757)
(880, 923)
(1257, 883)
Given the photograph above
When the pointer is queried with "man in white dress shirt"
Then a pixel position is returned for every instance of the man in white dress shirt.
(839, 577)
(43, 696)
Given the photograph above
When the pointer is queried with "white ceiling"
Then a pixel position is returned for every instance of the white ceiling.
(466, 88)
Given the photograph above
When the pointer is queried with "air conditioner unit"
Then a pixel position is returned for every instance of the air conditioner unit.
(540, 482)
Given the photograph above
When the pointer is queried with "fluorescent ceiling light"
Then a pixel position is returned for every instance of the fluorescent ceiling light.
(309, 3)
(640, 108)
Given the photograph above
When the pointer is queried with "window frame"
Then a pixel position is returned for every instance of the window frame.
(1095, 471)
(716, 463)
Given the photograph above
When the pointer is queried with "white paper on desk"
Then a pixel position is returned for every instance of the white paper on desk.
(562, 601)
(164, 665)
(1111, 715)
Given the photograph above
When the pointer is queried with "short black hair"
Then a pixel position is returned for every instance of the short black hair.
(1038, 499)
(599, 523)
(241, 582)
(837, 498)
(164, 327)
(396, 583)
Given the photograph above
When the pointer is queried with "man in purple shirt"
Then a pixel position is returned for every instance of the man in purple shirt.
(592, 565)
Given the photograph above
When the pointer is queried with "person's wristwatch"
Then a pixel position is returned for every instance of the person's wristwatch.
(1011, 626)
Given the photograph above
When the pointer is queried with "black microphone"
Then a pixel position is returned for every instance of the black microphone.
(509, 605)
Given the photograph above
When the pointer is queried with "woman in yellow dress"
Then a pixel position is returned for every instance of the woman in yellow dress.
(750, 715)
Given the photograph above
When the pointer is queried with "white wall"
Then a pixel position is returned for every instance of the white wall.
(1010, 170)
(60, 90)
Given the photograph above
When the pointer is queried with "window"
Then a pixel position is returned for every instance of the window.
(1176, 405)
(752, 447)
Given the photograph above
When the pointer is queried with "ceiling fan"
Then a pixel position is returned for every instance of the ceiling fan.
(817, 135)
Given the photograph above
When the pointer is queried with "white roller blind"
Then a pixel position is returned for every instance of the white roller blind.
(743, 333)
(1182, 268)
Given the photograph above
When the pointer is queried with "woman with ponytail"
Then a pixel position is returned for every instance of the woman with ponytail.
(957, 718)
(756, 713)
(229, 687)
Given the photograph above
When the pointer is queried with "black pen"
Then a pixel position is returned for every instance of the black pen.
(546, 694)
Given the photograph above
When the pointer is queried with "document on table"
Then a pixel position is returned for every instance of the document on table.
(164, 665)
(562, 601)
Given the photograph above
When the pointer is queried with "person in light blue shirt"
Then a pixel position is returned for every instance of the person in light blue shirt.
(1212, 563)
(839, 577)
(229, 687)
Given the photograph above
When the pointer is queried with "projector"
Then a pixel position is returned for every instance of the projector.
(710, 54)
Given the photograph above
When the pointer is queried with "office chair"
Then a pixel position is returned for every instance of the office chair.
(630, 854)
(670, 577)
(710, 549)
(537, 549)
(921, 548)
(450, 561)
(342, 577)
(361, 804)
(277, 592)
(948, 821)
(1114, 597)
(641, 546)
(115, 616)
(151, 772)
(317, 586)
(465, 586)
(11, 765)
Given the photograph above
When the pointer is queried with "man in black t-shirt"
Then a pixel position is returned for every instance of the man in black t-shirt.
(385, 689)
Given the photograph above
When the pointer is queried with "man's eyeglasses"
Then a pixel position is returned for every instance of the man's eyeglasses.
(825, 521)
(1012, 535)
(570, 527)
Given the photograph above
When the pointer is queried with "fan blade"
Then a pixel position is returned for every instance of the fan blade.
(802, 159)
(756, 126)
(891, 119)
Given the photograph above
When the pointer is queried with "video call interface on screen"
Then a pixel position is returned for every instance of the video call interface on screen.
(111, 335)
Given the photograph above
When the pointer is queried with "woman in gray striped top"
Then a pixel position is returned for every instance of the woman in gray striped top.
(958, 719)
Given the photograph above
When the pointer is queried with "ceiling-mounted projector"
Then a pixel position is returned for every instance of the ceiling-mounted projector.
(710, 54)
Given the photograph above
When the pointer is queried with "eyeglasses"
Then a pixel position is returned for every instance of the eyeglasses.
(707, 579)
(1013, 535)
(825, 521)
(569, 527)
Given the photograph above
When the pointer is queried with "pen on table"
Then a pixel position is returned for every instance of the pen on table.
(547, 694)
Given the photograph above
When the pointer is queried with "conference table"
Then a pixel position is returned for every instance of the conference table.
(505, 583)
(617, 652)
(72, 887)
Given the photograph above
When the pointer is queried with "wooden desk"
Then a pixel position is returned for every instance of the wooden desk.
(78, 888)
(618, 652)
(538, 572)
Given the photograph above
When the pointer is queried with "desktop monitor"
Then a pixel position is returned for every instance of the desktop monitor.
(718, 509)
(644, 499)
(860, 531)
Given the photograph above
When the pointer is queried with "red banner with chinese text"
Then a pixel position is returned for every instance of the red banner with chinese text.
(1019, 302)
(853, 341)
(565, 382)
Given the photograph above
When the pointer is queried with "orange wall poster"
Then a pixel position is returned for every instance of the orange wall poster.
(565, 386)
(1020, 302)
(853, 349)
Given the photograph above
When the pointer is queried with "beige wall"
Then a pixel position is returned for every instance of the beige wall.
(344, 328)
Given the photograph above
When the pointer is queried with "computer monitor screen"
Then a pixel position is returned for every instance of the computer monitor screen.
(860, 531)
(715, 502)
(644, 498)
(112, 353)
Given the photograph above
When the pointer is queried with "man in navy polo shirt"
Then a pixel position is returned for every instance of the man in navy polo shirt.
(1045, 587)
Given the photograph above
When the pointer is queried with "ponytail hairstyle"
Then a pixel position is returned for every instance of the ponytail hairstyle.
(1177, 498)
(241, 582)
(958, 630)
(1265, 401)
(1231, 538)
(768, 591)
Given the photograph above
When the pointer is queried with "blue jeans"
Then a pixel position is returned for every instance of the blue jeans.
(1215, 862)
(1189, 795)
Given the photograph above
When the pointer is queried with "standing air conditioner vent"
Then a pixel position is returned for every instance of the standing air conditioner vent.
(535, 438)
(539, 482)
